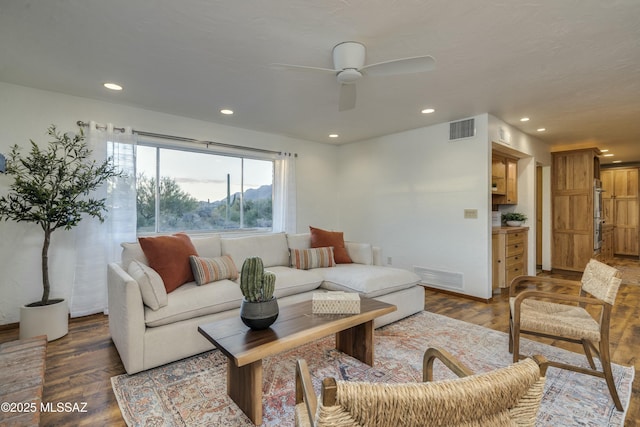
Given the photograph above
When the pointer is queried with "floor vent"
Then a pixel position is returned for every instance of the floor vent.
(462, 129)
(445, 279)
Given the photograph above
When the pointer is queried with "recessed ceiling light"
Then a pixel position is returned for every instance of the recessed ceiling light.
(112, 86)
(226, 111)
(604, 151)
(427, 111)
(617, 161)
(333, 135)
(608, 155)
(541, 129)
(524, 119)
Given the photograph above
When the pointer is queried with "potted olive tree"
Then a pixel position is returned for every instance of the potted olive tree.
(52, 188)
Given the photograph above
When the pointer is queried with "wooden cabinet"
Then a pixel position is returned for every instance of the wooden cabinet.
(572, 184)
(509, 254)
(497, 261)
(498, 176)
(512, 182)
(606, 250)
(621, 208)
(504, 179)
(606, 178)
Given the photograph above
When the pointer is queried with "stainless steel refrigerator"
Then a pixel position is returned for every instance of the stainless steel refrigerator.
(597, 215)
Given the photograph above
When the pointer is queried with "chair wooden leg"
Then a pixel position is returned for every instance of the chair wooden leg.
(587, 352)
(510, 335)
(605, 360)
(516, 343)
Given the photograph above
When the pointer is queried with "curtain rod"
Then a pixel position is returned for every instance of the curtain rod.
(184, 139)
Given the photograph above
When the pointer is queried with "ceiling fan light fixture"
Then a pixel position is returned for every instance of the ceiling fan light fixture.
(349, 66)
(348, 55)
(350, 75)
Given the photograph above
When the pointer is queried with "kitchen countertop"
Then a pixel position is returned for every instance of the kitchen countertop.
(503, 230)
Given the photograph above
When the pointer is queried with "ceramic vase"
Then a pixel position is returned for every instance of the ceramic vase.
(259, 315)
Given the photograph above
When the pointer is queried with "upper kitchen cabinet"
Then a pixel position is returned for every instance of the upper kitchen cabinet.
(504, 179)
(621, 208)
(576, 227)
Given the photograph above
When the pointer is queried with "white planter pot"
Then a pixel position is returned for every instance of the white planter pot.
(514, 223)
(50, 320)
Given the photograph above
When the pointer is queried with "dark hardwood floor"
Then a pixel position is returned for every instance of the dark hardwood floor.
(78, 369)
(80, 365)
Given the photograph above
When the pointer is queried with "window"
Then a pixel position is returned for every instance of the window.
(201, 191)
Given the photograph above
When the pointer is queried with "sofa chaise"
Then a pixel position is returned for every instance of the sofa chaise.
(150, 332)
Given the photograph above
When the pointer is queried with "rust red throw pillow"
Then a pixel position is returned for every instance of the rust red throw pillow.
(169, 257)
(323, 238)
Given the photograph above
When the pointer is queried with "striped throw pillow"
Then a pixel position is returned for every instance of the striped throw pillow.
(206, 270)
(304, 259)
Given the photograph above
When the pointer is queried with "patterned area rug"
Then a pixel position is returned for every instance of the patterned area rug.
(192, 392)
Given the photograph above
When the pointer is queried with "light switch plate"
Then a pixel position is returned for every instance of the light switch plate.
(471, 213)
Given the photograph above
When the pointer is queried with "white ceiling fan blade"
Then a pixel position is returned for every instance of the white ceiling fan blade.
(417, 64)
(302, 68)
(347, 97)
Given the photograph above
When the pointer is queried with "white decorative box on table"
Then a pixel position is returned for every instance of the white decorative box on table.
(335, 302)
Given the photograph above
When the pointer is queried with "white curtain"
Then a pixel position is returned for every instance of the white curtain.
(98, 244)
(284, 193)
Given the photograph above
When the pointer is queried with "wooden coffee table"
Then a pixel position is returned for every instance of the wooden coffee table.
(296, 325)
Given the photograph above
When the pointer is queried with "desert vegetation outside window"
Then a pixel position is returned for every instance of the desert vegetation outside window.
(188, 190)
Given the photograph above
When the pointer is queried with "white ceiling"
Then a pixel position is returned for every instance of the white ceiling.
(572, 66)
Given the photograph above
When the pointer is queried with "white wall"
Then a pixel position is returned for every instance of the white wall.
(407, 192)
(26, 113)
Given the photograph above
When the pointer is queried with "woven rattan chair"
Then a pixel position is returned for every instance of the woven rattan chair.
(503, 397)
(565, 317)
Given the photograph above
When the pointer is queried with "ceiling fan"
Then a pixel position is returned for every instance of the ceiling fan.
(348, 63)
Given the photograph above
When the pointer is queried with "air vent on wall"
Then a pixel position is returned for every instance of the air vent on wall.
(439, 278)
(462, 129)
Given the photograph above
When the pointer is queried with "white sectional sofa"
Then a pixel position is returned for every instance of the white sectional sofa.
(146, 338)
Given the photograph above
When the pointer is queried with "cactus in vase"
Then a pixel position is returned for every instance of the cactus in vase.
(268, 285)
(256, 284)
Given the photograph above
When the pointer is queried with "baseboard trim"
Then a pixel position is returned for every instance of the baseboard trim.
(457, 294)
(9, 326)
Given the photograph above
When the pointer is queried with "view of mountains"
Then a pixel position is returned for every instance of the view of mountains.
(260, 193)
